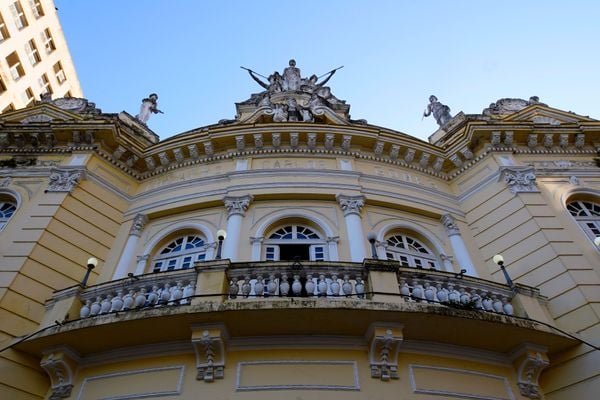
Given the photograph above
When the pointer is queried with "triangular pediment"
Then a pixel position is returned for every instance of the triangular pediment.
(39, 113)
(542, 114)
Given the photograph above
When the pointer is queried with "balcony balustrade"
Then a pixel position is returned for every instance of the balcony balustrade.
(220, 281)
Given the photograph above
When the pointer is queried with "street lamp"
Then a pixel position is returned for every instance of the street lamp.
(498, 259)
(372, 238)
(221, 235)
(91, 264)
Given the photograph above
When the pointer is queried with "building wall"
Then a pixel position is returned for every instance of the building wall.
(61, 86)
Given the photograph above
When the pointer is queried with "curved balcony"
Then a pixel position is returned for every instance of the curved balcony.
(293, 298)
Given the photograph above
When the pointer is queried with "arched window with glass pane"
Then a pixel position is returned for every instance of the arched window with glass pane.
(587, 215)
(181, 253)
(295, 242)
(7, 209)
(410, 252)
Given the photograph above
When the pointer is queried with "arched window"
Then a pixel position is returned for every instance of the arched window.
(587, 214)
(181, 253)
(410, 252)
(295, 242)
(7, 209)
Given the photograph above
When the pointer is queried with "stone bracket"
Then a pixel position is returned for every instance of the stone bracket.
(529, 361)
(384, 344)
(61, 366)
(209, 345)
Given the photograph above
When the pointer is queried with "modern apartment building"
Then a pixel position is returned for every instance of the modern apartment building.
(296, 253)
(34, 58)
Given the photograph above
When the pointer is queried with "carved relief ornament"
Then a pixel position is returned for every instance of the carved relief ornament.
(519, 179)
(384, 345)
(139, 222)
(529, 363)
(61, 366)
(209, 346)
(450, 225)
(237, 205)
(64, 180)
(351, 204)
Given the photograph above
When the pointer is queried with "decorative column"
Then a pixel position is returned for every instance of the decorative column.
(64, 180)
(236, 209)
(127, 257)
(351, 206)
(332, 244)
(459, 248)
(256, 247)
(61, 366)
(529, 361)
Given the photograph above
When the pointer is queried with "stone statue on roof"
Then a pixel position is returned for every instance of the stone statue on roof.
(149, 106)
(441, 112)
(288, 97)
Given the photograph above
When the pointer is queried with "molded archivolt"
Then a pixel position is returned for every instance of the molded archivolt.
(171, 232)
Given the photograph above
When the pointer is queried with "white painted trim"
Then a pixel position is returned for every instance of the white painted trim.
(240, 388)
(177, 391)
(293, 213)
(414, 388)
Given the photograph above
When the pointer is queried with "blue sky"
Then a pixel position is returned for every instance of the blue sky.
(395, 54)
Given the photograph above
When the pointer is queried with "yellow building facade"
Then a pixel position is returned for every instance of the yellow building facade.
(296, 253)
(34, 57)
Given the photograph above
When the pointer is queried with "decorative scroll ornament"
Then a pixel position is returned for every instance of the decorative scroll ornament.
(237, 205)
(450, 225)
(529, 362)
(60, 366)
(384, 345)
(519, 179)
(209, 346)
(64, 180)
(139, 222)
(351, 204)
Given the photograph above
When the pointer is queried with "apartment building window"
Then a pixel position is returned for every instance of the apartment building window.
(3, 30)
(48, 41)
(10, 107)
(36, 8)
(32, 52)
(14, 66)
(18, 15)
(59, 72)
(2, 86)
(27, 97)
(181, 253)
(44, 83)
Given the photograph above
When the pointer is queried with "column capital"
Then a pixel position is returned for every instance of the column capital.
(64, 180)
(139, 221)
(350, 204)
(519, 178)
(450, 225)
(254, 240)
(237, 205)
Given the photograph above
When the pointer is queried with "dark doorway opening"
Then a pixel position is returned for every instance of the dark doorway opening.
(291, 252)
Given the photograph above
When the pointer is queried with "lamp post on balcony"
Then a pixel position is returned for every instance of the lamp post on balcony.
(221, 235)
(498, 259)
(372, 238)
(91, 264)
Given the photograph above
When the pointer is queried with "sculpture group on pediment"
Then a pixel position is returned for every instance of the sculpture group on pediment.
(510, 106)
(289, 97)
